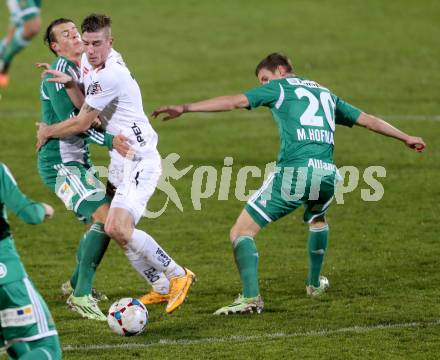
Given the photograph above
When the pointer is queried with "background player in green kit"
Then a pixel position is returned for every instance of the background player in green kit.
(306, 114)
(65, 166)
(26, 326)
(25, 25)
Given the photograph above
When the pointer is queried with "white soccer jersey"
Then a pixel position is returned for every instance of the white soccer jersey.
(112, 90)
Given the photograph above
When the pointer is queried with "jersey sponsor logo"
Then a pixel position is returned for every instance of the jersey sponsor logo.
(3, 270)
(138, 133)
(15, 317)
(319, 164)
(94, 88)
(65, 193)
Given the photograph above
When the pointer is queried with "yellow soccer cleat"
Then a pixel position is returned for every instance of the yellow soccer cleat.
(179, 288)
(153, 297)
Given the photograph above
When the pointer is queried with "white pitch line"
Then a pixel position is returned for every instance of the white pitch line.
(29, 115)
(240, 338)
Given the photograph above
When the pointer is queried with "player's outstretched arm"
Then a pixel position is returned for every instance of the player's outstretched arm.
(380, 126)
(220, 103)
(72, 126)
(27, 210)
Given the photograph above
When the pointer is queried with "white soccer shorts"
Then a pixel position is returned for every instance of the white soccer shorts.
(135, 182)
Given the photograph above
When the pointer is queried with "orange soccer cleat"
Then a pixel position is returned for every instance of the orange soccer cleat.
(179, 288)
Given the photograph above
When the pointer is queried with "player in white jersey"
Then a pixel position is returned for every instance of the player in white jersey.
(112, 94)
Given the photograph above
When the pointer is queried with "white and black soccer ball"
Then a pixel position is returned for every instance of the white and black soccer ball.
(127, 317)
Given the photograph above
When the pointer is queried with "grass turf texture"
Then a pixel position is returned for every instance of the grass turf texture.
(382, 257)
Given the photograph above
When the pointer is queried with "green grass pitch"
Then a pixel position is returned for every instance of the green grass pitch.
(382, 262)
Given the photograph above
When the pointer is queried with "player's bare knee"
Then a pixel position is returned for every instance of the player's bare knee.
(117, 232)
(232, 234)
(238, 230)
(100, 215)
(111, 229)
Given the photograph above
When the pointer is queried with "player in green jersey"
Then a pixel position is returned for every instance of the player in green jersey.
(25, 25)
(27, 329)
(306, 114)
(65, 167)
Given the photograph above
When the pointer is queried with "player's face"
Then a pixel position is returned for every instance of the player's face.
(97, 46)
(68, 40)
(265, 75)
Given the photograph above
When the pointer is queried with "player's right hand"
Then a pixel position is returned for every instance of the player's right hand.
(415, 143)
(120, 144)
(173, 111)
(49, 211)
(58, 76)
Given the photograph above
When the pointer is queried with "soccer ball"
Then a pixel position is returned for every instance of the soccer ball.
(127, 317)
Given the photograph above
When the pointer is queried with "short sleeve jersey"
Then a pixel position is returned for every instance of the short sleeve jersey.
(306, 114)
(113, 91)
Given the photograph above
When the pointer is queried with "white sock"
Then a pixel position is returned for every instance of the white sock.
(156, 279)
(143, 244)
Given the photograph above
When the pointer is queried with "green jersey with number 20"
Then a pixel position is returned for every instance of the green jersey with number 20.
(306, 114)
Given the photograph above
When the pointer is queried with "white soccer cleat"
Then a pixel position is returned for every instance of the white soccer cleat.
(318, 291)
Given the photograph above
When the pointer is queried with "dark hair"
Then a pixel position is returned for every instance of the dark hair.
(49, 36)
(95, 23)
(272, 61)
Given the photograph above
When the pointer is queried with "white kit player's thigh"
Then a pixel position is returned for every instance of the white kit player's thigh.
(137, 186)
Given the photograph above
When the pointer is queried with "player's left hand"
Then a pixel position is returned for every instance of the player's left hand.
(173, 111)
(42, 135)
(48, 211)
(415, 143)
(120, 144)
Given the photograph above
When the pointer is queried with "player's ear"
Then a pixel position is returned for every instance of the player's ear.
(281, 70)
(54, 46)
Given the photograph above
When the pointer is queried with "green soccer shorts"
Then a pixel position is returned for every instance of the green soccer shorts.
(287, 189)
(23, 10)
(24, 315)
(77, 186)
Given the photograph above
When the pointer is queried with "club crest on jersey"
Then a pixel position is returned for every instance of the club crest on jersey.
(94, 88)
(3, 270)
